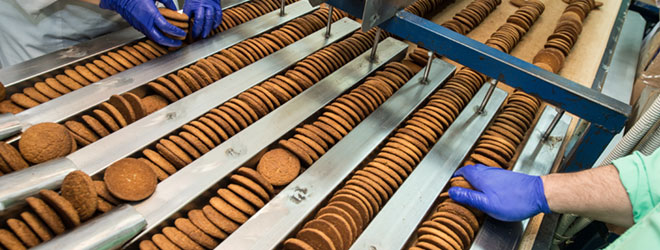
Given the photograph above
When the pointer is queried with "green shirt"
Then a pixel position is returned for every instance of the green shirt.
(640, 176)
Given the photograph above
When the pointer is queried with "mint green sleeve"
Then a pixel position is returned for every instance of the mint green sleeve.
(640, 176)
(645, 234)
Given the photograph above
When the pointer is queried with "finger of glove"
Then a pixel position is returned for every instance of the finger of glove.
(472, 174)
(208, 22)
(168, 4)
(198, 23)
(471, 198)
(167, 27)
(218, 18)
(158, 37)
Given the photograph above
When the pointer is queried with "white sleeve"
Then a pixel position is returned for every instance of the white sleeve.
(33, 7)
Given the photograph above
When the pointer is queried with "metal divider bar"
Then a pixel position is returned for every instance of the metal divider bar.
(184, 186)
(21, 184)
(13, 75)
(536, 158)
(292, 205)
(394, 224)
(77, 101)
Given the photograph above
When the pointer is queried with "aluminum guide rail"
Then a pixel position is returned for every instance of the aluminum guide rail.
(97, 235)
(14, 76)
(16, 186)
(77, 101)
(286, 211)
(536, 158)
(396, 222)
(186, 185)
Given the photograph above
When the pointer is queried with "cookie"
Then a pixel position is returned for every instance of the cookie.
(342, 227)
(124, 107)
(78, 188)
(163, 242)
(23, 232)
(219, 220)
(37, 226)
(228, 210)
(81, 133)
(136, 104)
(12, 157)
(106, 119)
(43, 142)
(236, 201)
(147, 245)
(130, 179)
(192, 231)
(95, 125)
(162, 175)
(180, 239)
(198, 218)
(64, 208)
(256, 177)
(102, 191)
(296, 244)
(35, 95)
(315, 238)
(246, 195)
(152, 103)
(47, 214)
(9, 240)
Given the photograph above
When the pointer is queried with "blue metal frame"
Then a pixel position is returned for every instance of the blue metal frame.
(607, 115)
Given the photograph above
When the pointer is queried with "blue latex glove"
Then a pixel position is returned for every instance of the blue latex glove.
(145, 17)
(502, 194)
(207, 15)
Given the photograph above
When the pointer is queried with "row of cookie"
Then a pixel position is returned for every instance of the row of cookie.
(566, 33)
(508, 35)
(121, 110)
(51, 214)
(425, 7)
(369, 188)
(107, 64)
(471, 16)
(453, 225)
(279, 166)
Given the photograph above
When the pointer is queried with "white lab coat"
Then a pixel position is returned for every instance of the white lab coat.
(31, 28)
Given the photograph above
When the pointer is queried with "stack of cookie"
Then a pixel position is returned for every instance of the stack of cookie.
(51, 214)
(176, 18)
(121, 59)
(517, 25)
(471, 16)
(425, 7)
(566, 33)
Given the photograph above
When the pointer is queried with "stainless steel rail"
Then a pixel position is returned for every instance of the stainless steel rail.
(186, 185)
(15, 77)
(82, 99)
(286, 211)
(16, 186)
(397, 221)
(536, 158)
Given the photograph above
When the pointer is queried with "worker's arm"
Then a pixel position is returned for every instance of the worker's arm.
(505, 195)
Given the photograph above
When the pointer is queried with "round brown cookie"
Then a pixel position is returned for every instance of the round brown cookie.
(23, 101)
(156, 46)
(95, 125)
(189, 80)
(308, 70)
(340, 119)
(400, 151)
(356, 103)
(9, 240)
(103, 115)
(127, 56)
(497, 148)
(255, 103)
(47, 214)
(219, 220)
(181, 84)
(460, 182)
(492, 155)
(77, 77)
(279, 92)
(335, 211)
(170, 156)
(315, 238)
(153, 103)
(453, 226)
(365, 98)
(341, 225)
(176, 150)
(485, 160)
(112, 63)
(124, 107)
(35, 95)
(387, 178)
(93, 68)
(362, 195)
(251, 186)
(46, 90)
(180, 239)
(171, 86)
(503, 133)
(130, 179)
(296, 244)
(377, 182)
(198, 218)
(135, 104)
(408, 144)
(244, 51)
(135, 53)
(225, 121)
(308, 150)
(163, 91)
(321, 133)
(407, 133)
(208, 67)
(162, 175)
(228, 210)
(81, 133)
(173, 14)
(394, 171)
(192, 231)
(199, 134)
(235, 56)
(64, 209)
(334, 125)
(299, 78)
(205, 77)
(187, 147)
(195, 142)
(105, 67)
(78, 188)
(23, 232)
(39, 143)
(462, 212)
(329, 230)
(119, 59)
(317, 141)
(37, 226)
(226, 62)
(247, 195)
(346, 103)
(163, 242)
(348, 113)
(361, 205)
(243, 109)
(257, 177)
(436, 242)
(352, 212)
(283, 36)
(290, 90)
(298, 151)
(451, 237)
(279, 166)
(266, 96)
(102, 191)
(148, 245)
(68, 82)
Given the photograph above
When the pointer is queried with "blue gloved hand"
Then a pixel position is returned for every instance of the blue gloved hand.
(502, 194)
(145, 17)
(207, 15)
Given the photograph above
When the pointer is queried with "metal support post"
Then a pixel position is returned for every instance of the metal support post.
(425, 79)
(372, 57)
(282, 5)
(484, 102)
(553, 124)
(328, 26)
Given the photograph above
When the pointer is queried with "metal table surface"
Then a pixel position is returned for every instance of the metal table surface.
(79, 100)
(16, 76)
(185, 186)
(288, 209)
(16, 186)
(395, 223)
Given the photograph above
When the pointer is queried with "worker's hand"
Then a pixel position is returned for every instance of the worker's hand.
(502, 194)
(206, 15)
(146, 18)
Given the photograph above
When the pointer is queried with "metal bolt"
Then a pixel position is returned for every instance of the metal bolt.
(375, 47)
(328, 27)
(282, 8)
(427, 70)
(491, 89)
(553, 124)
